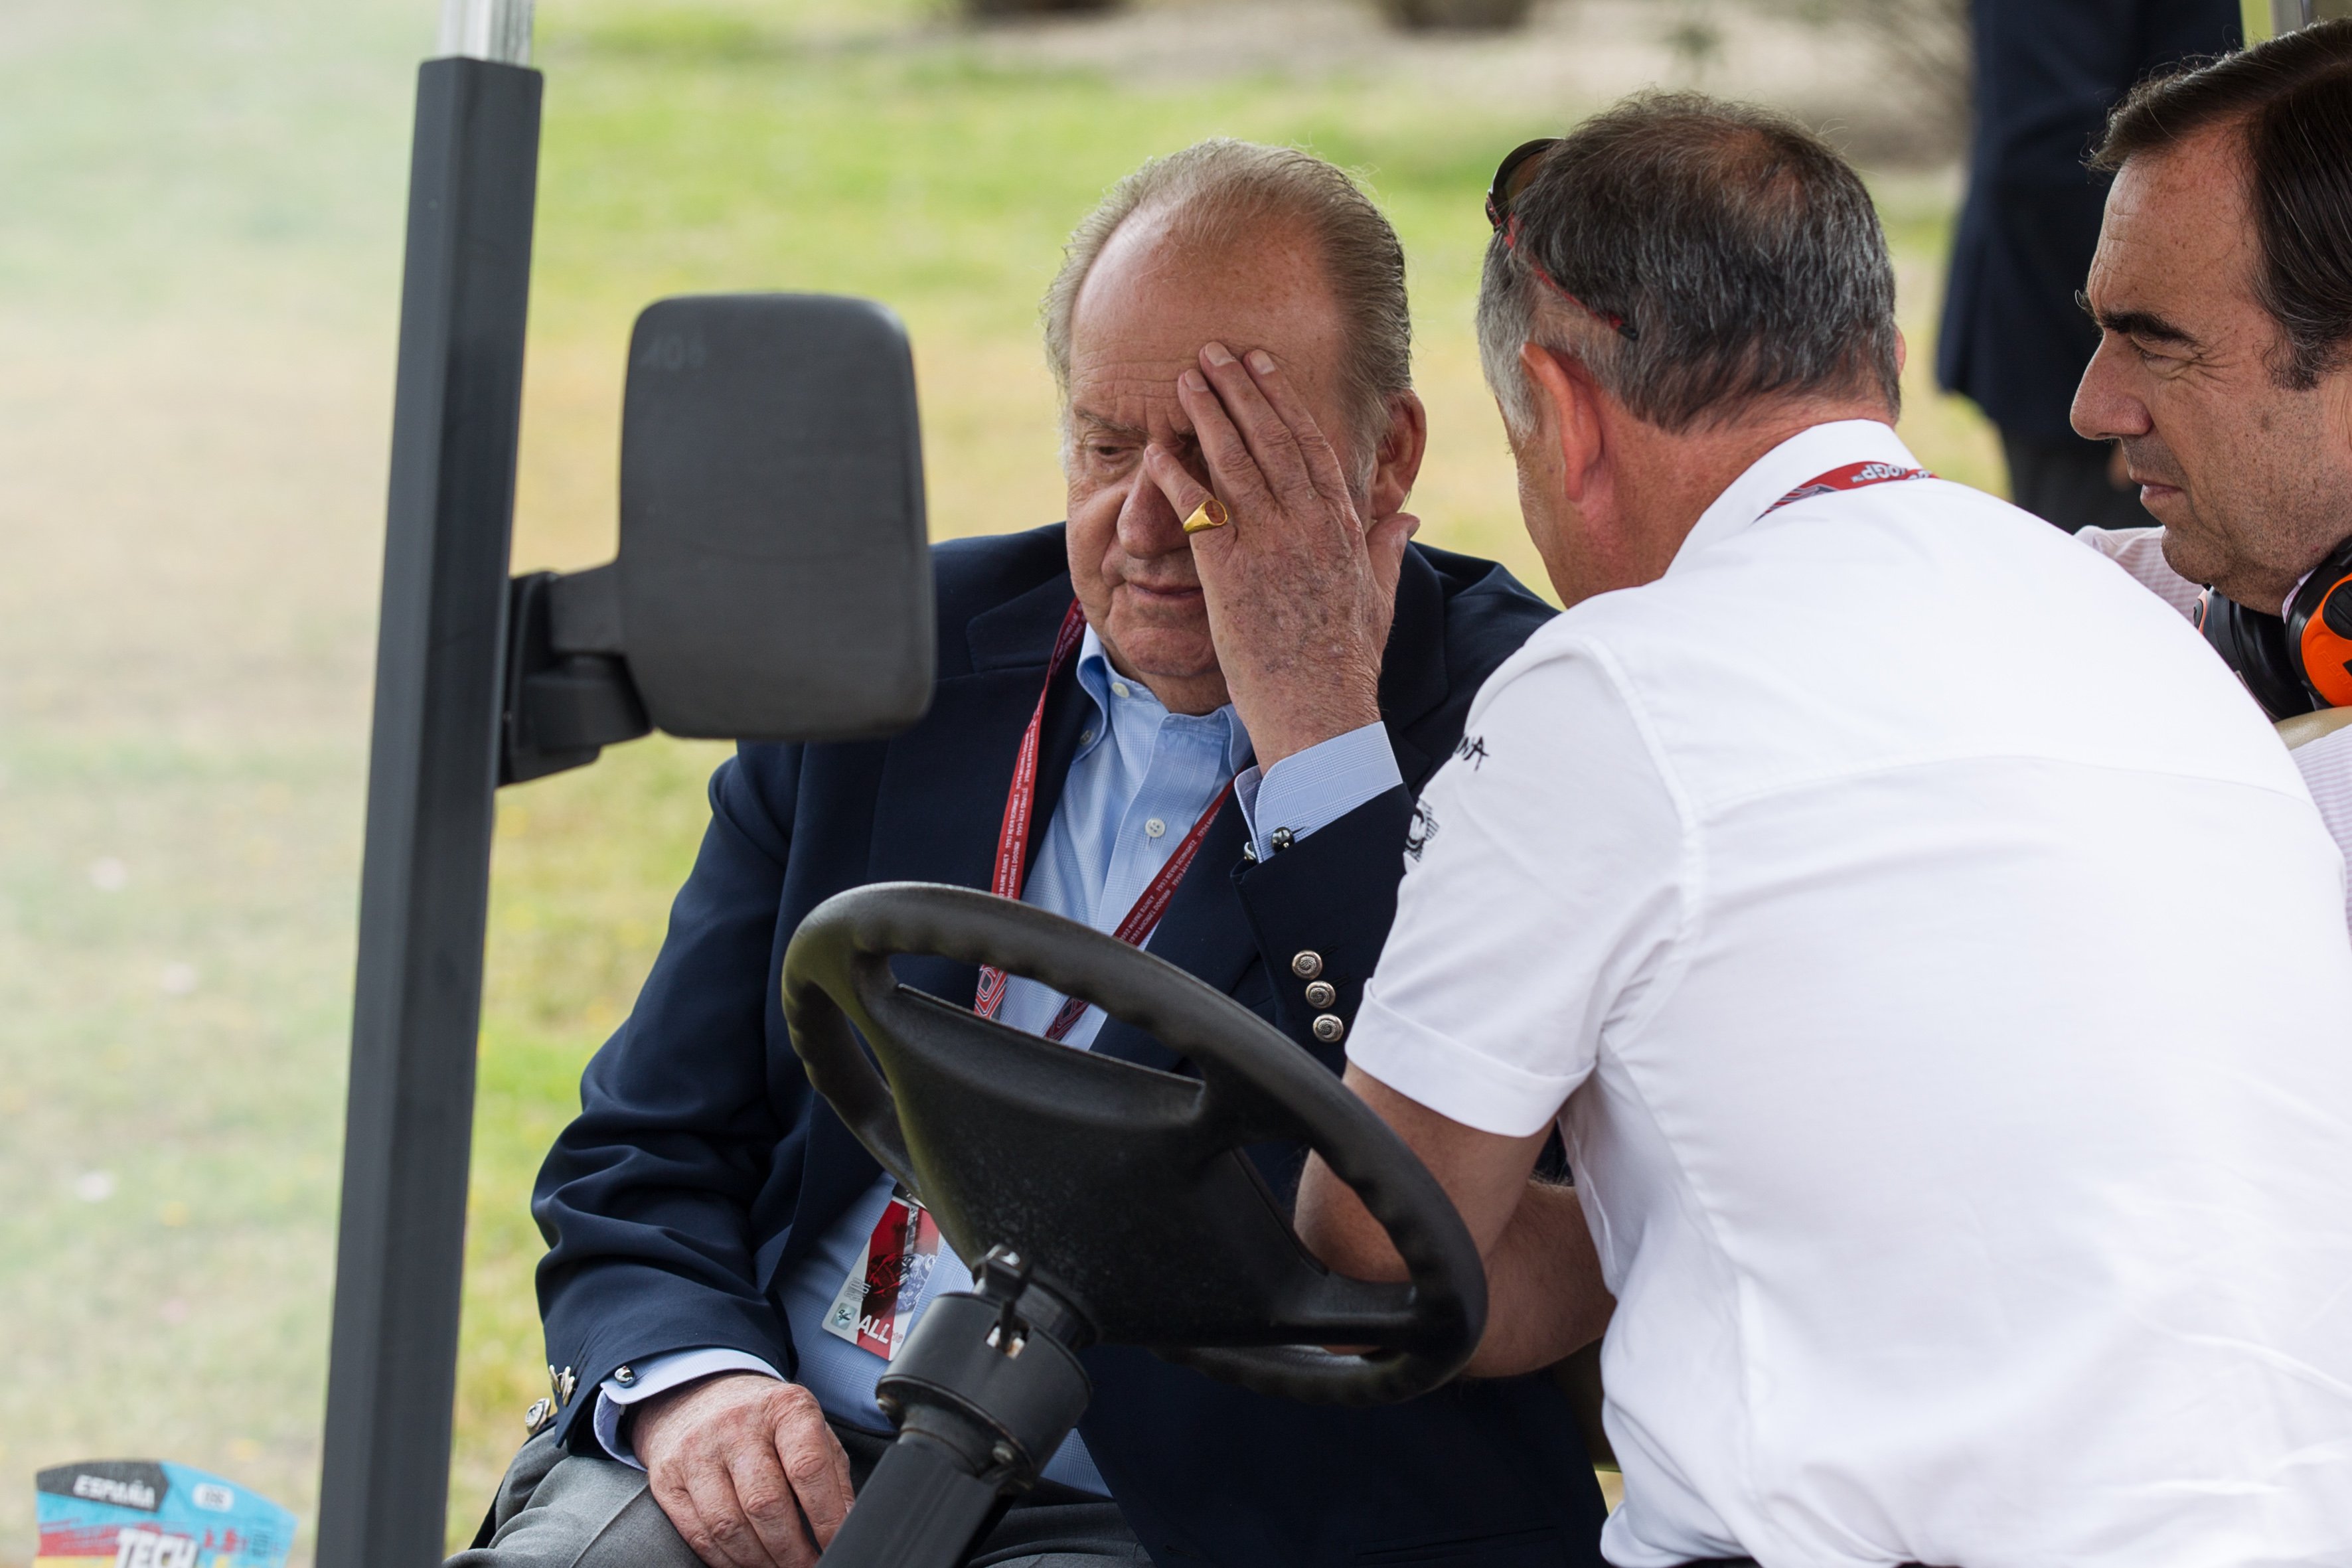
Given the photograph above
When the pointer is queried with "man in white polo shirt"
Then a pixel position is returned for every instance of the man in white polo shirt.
(1935, 965)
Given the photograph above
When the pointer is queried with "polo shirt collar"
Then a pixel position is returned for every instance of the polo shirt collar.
(1800, 457)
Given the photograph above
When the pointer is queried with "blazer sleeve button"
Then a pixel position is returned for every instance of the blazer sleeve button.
(1307, 964)
(1330, 1028)
(1321, 994)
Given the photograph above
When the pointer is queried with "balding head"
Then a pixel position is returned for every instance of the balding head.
(1247, 247)
(1222, 197)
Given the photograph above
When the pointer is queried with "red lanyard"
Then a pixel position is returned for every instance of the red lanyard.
(1012, 845)
(1853, 477)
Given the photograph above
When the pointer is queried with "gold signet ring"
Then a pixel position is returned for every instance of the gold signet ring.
(1210, 513)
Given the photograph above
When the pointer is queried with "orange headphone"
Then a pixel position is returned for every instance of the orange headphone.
(2298, 663)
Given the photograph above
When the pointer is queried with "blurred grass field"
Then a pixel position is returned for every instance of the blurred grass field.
(198, 281)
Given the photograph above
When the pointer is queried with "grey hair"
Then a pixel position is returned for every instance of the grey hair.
(1215, 191)
(1698, 257)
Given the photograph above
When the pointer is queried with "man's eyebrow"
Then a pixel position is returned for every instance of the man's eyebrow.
(2144, 324)
(1109, 426)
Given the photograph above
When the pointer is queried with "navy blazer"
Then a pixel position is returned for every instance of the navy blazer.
(703, 1167)
(2047, 71)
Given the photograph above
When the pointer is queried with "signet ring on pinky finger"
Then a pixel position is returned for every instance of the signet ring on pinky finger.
(1210, 513)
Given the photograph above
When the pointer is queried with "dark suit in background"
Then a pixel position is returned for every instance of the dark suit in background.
(2013, 340)
(703, 1167)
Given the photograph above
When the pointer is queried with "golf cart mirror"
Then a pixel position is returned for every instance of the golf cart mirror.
(773, 582)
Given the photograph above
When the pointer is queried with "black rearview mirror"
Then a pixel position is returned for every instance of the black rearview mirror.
(776, 583)
(774, 580)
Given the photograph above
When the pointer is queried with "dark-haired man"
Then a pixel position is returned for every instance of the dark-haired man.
(1209, 744)
(2224, 291)
(1949, 1038)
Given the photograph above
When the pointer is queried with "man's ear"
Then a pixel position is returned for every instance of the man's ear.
(1397, 463)
(1568, 410)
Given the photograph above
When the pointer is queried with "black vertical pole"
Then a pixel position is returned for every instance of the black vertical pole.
(392, 1375)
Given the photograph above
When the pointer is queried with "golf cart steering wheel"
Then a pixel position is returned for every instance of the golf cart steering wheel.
(1129, 1189)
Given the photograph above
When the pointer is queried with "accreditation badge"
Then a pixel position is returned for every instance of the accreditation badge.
(875, 1307)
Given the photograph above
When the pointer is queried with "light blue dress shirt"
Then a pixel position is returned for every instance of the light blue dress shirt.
(1141, 778)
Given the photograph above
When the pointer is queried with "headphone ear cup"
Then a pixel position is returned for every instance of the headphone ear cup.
(2256, 647)
(2319, 629)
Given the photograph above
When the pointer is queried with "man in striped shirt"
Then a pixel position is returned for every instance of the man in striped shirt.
(2325, 757)
(2222, 288)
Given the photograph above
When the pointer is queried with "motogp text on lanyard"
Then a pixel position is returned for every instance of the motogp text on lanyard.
(1012, 845)
(1853, 477)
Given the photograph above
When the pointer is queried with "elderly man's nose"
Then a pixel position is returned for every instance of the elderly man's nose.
(1148, 525)
(2105, 408)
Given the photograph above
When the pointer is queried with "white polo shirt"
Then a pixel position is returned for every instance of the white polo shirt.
(1954, 1034)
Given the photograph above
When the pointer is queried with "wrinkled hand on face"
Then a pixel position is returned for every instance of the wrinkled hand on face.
(1154, 296)
(1300, 587)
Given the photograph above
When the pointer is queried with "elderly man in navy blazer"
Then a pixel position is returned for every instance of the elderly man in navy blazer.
(1209, 741)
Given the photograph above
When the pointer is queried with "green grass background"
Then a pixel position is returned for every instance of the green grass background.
(198, 280)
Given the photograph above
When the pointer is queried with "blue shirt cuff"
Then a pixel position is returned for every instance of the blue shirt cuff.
(659, 1374)
(1316, 787)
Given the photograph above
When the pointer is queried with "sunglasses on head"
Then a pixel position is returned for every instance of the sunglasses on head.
(1513, 176)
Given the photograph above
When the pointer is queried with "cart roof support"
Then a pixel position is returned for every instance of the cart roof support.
(432, 769)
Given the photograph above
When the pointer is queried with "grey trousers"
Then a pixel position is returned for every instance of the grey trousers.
(560, 1510)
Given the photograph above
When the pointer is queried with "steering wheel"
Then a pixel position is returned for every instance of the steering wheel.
(1129, 1189)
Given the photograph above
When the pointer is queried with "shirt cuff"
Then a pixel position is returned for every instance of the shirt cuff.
(659, 1374)
(1316, 787)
